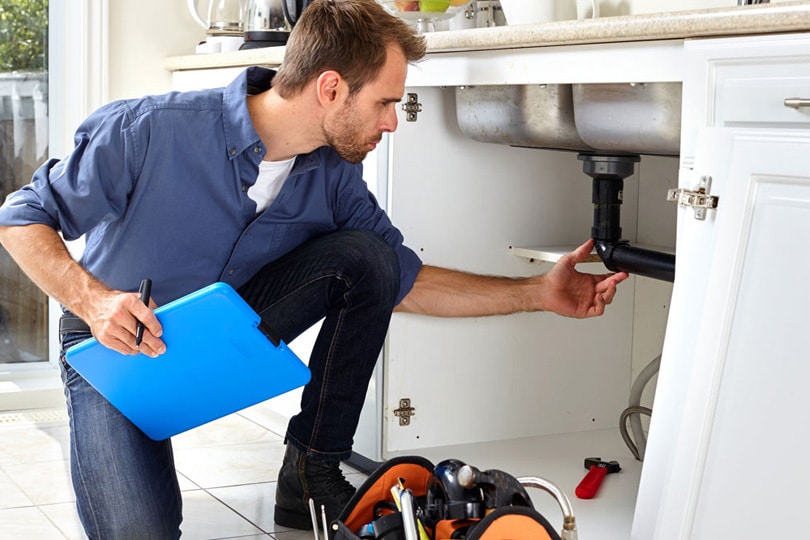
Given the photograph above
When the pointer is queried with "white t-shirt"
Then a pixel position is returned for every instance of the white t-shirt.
(272, 175)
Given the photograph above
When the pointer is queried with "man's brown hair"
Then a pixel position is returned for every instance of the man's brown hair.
(348, 36)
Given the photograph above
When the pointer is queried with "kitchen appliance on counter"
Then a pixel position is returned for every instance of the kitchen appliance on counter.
(223, 23)
(268, 22)
(488, 13)
(223, 17)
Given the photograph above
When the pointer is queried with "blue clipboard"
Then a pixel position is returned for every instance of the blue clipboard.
(217, 361)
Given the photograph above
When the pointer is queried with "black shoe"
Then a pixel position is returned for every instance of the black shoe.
(302, 478)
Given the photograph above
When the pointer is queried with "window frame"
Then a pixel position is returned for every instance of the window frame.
(78, 74)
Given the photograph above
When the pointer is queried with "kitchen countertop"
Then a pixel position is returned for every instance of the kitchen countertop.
(735, 20)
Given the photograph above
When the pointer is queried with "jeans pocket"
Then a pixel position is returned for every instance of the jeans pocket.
(66, 341)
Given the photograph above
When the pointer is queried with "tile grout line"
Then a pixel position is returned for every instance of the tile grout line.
(234, 510)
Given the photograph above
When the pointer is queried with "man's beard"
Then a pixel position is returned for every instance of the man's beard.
(343, 135)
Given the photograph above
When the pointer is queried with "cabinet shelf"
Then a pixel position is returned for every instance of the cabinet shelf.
(553, 254)
(550, 254)
(560, 458)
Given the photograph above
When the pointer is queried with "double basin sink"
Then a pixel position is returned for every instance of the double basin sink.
(637, 118)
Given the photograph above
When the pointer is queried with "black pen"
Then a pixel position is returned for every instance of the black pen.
(145, 290)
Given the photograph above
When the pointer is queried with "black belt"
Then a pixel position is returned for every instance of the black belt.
(71, 324)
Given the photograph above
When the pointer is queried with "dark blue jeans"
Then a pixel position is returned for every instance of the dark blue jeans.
(352, 279)
(125, 483)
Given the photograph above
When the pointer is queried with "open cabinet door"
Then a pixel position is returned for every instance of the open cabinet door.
(736, 461)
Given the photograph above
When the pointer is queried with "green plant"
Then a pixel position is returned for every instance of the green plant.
(23, 35)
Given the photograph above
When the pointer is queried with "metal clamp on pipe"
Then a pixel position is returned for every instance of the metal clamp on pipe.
(608, 173)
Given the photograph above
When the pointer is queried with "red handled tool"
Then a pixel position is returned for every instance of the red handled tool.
(597, 469)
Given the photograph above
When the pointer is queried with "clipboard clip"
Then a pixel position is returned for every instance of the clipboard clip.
(268, 332)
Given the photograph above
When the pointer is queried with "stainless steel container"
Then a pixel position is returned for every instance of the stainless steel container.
(641, 118)
(538, 116)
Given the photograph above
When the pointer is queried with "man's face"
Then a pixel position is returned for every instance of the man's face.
(357, 126)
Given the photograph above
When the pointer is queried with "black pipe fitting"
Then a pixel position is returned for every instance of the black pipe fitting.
(608, 173)
(607, 209)
(622, 257)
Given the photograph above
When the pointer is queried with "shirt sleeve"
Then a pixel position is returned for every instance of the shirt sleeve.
(358, 209)
(89, 186)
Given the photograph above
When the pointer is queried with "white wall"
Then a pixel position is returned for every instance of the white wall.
(142, 34)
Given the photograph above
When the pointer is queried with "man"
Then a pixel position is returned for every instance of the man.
(258, 186)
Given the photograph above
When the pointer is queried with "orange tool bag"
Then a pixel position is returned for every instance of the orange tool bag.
(409, 498)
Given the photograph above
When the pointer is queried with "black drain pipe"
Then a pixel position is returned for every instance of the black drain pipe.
(608, 173)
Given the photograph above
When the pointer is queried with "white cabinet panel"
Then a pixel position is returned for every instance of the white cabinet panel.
(753, 93)
(732, 371)
(759, 422)
(695, 240)
(743, 82)
(734, 473)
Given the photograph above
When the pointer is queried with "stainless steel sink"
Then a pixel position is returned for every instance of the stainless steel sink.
(641, 118)
(538, 116)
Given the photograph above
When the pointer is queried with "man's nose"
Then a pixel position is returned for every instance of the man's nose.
(389, 121)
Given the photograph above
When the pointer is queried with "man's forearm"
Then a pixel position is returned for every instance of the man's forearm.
(448, 293)
(562, 290)
(43, 256)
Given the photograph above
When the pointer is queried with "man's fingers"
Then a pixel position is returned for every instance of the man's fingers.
(143, 313)
(606, 289)
(118, 332)
(117, 338)
(151, 344)
(579, 254)
(607, 281)
(598, 307)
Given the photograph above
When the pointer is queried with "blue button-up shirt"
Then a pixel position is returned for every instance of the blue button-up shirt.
(159, 187)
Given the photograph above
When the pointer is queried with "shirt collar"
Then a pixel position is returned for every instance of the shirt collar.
(239, 132)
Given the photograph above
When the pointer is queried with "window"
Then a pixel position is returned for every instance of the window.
(23, 147)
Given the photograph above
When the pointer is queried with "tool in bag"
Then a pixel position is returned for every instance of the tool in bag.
(408, 498)
(314, 515)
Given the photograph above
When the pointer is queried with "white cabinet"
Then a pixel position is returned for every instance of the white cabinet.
(729, 425)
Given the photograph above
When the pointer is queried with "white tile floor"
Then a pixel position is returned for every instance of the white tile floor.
(227, 471)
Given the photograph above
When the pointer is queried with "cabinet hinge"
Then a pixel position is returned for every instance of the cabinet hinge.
(698, 199)
(412, 107)
(405, 412)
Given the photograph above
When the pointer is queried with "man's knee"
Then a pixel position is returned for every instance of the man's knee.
(371, 248)
(377, 261)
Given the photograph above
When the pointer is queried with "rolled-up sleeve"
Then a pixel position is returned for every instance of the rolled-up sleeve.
(89, 186)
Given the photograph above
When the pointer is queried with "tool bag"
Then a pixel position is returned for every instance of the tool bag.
(495, 506)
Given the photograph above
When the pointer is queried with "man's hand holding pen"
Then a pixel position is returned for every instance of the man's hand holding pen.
(115, 321)
(145, 292)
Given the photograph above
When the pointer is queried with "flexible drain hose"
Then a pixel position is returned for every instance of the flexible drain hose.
(638, 443)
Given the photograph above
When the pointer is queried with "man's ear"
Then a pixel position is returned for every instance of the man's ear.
(329, 87)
